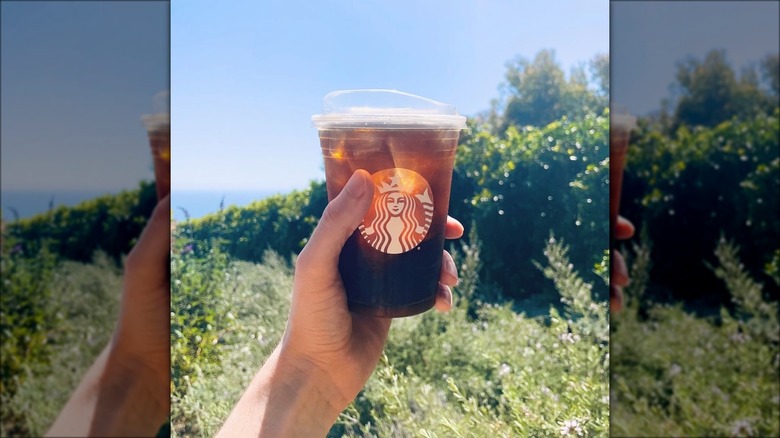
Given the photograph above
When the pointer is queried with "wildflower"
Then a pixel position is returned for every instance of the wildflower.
(569, 337)
(504, 369)
(571, 428)
(742, 428)
(674, 370)
(739, 337)
(187, 249)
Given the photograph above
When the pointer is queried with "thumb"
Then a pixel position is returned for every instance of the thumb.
(151, 251)
(341, 217)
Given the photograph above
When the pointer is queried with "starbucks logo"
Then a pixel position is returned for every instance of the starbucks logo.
(401, 211)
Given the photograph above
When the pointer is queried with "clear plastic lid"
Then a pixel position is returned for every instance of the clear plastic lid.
(386, 109)
(620, 118)
(161, 119)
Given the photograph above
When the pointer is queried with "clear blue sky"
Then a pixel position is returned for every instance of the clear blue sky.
(76, 78)
(246, 76)
(650, 38)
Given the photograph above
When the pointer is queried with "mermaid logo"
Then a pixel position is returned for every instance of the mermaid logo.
(401, 213)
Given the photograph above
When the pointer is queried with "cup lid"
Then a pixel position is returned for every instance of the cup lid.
(162, 115)
(387, 109)
(619, 116)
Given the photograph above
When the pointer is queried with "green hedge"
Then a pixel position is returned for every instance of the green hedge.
(690, 188)
(109, 223)
(514, 188)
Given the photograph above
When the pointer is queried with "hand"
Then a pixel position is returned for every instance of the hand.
(343, 347)
(126, 391)
(618, 278)
(142, 336)
(327, 353)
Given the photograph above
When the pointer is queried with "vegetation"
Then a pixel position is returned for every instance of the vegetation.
(481, 369)
(524, 352)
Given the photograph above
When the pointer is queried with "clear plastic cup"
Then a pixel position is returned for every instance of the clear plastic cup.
(390, 265)
(158, 128)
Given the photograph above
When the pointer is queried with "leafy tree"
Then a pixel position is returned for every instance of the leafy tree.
(711, 93)
(770, 68)
(538, 92)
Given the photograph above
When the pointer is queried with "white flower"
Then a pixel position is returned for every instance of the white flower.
(739, 337)
(571, 428)
(742, 428)
(568, 337)
(504, 369)
(674, 370)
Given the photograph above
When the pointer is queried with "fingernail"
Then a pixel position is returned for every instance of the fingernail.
(355, 187)
(450, 268)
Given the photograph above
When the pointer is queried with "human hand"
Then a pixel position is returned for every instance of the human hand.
(618, 278)
(327, 353)
(343, 347)
(142, 337)
(126, 391)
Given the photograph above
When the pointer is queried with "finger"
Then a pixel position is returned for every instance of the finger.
(341, 217)
(153, 247)
(619, 274)
(454, 229)
(443, 299)
(615, 298)
(449, 272)
(624, 229)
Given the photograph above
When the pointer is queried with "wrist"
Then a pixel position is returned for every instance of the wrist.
(132, 377)
(300, 391)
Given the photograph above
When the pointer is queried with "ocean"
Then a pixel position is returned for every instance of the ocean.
(197, 203)
(200, 203)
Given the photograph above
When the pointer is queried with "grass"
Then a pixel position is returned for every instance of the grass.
(81, 309)
(481, 370)
(678, 374)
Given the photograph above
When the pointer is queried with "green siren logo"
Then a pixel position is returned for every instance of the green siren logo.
(401, 213)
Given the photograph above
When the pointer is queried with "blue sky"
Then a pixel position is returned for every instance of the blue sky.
(650, 38)
(76, 78)
(246, 76)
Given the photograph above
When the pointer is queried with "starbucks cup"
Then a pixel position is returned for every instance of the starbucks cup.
(158, 129)
(390, 265)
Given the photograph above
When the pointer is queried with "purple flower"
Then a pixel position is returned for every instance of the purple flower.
(187, 249)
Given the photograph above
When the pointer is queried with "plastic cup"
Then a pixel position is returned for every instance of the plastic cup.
(390, 265)
(620, 126)
(158, 128)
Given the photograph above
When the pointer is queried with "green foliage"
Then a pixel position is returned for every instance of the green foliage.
(711, 93)
(518, 187)
(109, 223)
(79, 314)
(25, 321)
(198, 320)
(727, 175)
(538, 92)
(281, 223)
(521, 184)
(481, 369)
(675, 374)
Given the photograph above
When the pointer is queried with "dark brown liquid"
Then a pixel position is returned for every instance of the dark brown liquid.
(618, 145)
(377, 283)
(160, 142)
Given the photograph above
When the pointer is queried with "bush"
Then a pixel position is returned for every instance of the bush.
(680, 186)
(675, 374)
(493, 372)
(78, 314)
(519, 185)
(110, 224)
